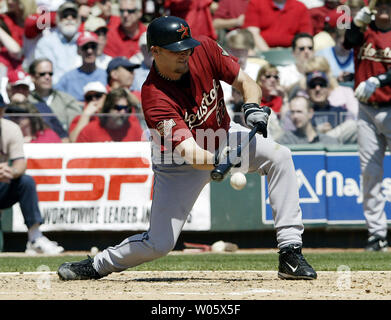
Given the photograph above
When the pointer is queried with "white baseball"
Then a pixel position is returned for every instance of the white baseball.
(238, 181)
(94, 251)
(218, 246)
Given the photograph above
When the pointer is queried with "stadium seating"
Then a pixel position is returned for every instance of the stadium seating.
(279, 57)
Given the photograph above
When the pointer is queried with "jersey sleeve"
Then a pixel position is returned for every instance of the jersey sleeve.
(226, 66)
(15, 142)
(166, 125)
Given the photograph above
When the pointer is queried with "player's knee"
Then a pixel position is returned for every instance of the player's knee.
(162, 249)
(372, 170)
(27, 182)
(281, 154)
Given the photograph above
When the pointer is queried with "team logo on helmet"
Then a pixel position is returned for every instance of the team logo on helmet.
(184, 30)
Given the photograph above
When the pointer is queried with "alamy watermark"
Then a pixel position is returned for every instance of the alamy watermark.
(43, 280)
(344, 277)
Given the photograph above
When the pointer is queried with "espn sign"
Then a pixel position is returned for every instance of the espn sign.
(98, 182)
(97, 186)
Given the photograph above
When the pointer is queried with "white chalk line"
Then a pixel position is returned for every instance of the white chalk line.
(234, 293)
(258, 272)
(143, 272)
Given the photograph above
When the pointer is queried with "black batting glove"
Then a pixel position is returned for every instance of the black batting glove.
(256, 116)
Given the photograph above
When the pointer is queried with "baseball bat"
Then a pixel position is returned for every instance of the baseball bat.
(372, 4)
(371, 7)
(218, 174)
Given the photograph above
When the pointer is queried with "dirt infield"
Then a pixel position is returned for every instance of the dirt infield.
(197, 285)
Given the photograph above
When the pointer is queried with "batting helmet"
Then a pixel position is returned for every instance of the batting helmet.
(171, 33)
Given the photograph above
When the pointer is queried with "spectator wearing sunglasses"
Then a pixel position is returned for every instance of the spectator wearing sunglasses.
(74, 81)
(273, 95)
(117, 123)
(302, 50)
(329, 119)
(60, 45)
(63, 105)
(122, 40)
(94, 97)
(99, 27)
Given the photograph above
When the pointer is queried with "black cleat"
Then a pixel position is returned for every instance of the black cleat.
(293, 266)
(376, 243)
(82, 270)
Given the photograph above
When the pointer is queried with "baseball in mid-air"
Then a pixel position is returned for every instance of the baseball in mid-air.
(238, 181)
(94, 251)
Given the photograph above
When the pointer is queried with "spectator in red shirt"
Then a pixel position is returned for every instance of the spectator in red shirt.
(274, 23)
(14, 19)
(94, 97)
(325, 16)
(122, 40)
(229, 15)
(272, 93)
(10, 52)
(119, 124)
(197, 14)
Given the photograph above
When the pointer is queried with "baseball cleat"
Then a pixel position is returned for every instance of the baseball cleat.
(83, 270)
(293, 266)
(376, 243)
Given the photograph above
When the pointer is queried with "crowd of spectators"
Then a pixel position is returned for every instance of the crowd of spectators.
(62, 60)
(72, 71)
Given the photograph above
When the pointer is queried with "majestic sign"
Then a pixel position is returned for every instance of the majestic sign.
(330, 189)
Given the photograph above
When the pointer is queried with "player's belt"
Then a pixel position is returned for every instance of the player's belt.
(379, 105)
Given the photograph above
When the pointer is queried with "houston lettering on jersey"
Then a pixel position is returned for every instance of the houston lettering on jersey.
(368, 52)
(205, 110)
(373, 57)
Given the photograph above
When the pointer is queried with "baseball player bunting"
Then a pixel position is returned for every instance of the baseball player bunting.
(183, 95)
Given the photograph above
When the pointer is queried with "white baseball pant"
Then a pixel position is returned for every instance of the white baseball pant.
(176, 188)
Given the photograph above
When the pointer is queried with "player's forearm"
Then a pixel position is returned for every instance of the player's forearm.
(225, 23)
(194, 155)
(249, 89)
(18, 168)
(10, 44)
(83, 121)
(260, 43)
(353, 37)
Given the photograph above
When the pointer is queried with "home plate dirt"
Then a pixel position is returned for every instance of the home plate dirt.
(197, 285)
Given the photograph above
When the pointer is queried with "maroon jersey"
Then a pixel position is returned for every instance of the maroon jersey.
(177, 109)
(372, 58)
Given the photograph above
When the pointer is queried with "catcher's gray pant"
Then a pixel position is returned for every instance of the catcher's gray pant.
(176, 188)
(374, 134)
